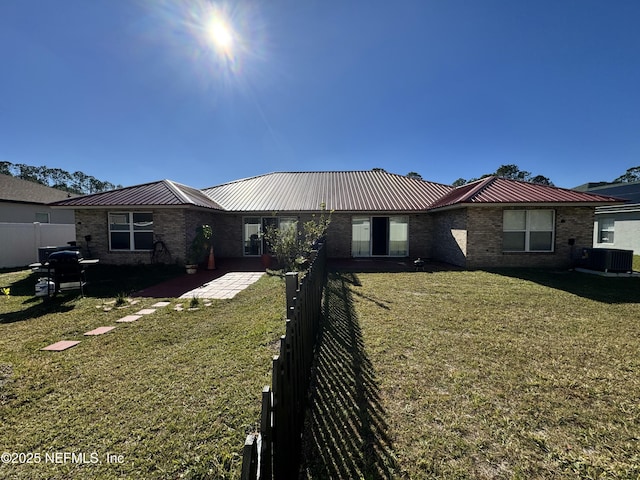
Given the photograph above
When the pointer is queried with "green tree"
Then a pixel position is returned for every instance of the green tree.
(292, 246)
(414, 175)
(631, 175)
(5, 168)
(541, 180)
(511, 172)
(459, 182)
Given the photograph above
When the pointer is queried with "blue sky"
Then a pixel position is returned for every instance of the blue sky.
(131, 91)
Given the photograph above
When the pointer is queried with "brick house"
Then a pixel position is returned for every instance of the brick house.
(490, 222)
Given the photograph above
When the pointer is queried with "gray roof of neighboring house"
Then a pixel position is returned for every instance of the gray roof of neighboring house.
(494, 189)
(372, 190)
(13, 189)
(627, 191)
(161, 193)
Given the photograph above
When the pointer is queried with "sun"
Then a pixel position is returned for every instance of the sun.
(220, 34)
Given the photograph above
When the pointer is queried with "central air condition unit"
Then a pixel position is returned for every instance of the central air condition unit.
(607, 260)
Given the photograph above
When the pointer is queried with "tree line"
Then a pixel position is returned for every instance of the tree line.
(76, 183)
(513, 172)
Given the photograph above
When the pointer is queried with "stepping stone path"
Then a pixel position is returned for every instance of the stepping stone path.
(99, 331)
(227, 286)
(63, 345)
(129, 319)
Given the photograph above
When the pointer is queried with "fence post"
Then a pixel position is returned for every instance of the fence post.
(249, 459)
(266, 424)
(291, 282)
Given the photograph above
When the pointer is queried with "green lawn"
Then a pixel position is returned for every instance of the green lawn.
(479, 375)
(170, 396)
(636, 263)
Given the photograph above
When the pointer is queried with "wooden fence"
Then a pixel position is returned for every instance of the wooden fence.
(274, 452)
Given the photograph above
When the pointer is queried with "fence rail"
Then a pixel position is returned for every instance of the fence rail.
(274, 452)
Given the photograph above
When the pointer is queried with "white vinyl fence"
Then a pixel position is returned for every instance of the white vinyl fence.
(19, 242)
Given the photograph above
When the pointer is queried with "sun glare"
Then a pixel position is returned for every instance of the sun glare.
(220, 34)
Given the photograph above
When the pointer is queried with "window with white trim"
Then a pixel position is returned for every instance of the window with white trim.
(130, 231)
(606, 227)
(528, 230)
(42, 217)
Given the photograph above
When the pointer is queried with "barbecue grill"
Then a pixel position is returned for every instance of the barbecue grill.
(66, 270)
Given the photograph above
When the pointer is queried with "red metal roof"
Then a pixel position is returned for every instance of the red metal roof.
(161, 193)
(372, 190)
(501, 190)
(366, 191)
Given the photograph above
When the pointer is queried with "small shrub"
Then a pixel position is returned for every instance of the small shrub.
(121, 299)
(194, 303)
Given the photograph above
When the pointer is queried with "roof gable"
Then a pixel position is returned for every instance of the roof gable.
(365, 191)
(494, 189)
(371, 190)
(14, 189)
(161, 193)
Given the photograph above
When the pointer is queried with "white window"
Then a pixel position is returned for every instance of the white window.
(398, 236)
(360, 236)
(130, 230)
(606, 228)
(42, 217)
(528, 230)
(252, 236)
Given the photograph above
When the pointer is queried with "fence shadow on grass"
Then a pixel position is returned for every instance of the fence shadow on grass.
(345, 432)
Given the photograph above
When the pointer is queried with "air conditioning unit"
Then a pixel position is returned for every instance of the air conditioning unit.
(607, 259)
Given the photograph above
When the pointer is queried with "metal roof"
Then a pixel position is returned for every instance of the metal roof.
(14, 189)
(501, 190)
(372, 190)
(365, 191)
(628, 191)
(161, 193)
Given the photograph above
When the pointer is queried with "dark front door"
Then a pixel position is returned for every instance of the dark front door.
(380, 236)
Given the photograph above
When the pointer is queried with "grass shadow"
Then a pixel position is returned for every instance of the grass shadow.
(609, 290)
(39, 308)
(345, 430)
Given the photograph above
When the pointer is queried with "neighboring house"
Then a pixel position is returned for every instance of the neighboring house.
(617, 226)
(27, 222)
(22, 201)
(490, 222)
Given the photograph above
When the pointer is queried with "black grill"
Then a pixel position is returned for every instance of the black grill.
(64, 268)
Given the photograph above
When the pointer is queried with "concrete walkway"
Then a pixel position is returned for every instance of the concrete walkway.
(184, 285)
(227, 286)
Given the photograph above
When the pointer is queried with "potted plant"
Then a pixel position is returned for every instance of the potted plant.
(200, 246)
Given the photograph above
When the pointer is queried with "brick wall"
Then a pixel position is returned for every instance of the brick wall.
(449, 237)
(176, 227)
(469, 237)
(227, 235)
(485, 239)
(420, 235)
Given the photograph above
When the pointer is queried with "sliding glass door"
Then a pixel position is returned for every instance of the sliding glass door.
(380, 236)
